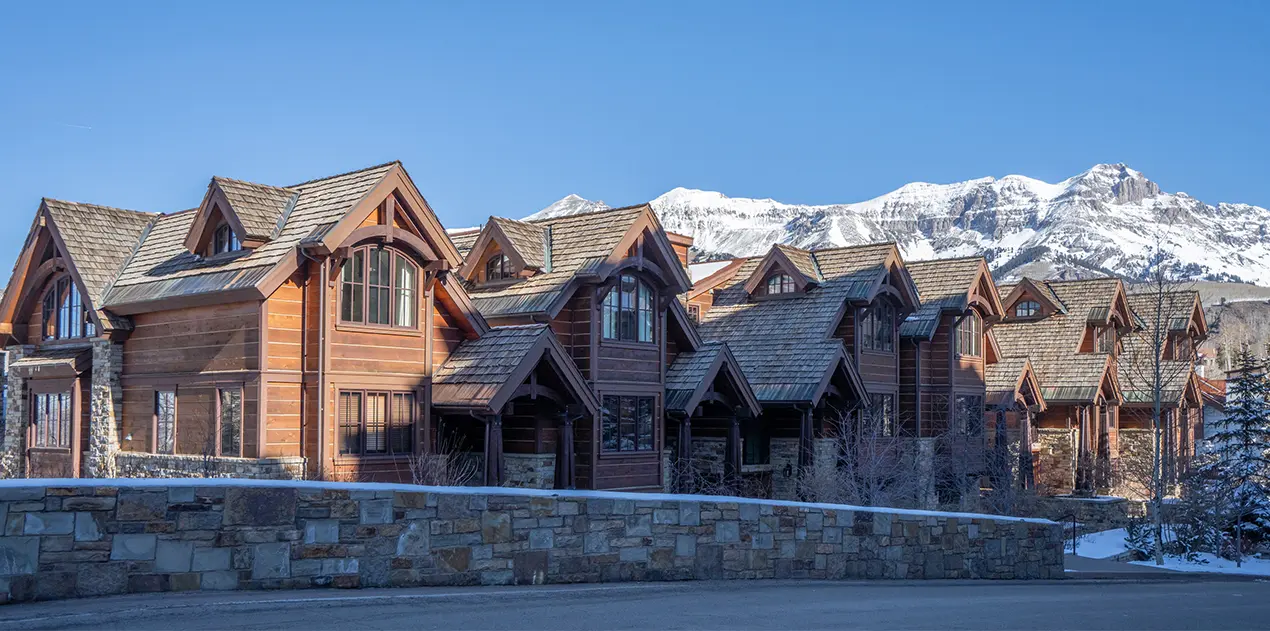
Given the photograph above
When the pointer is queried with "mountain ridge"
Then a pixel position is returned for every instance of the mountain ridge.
(1105, 220)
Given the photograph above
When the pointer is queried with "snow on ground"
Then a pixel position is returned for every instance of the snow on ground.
(1212, 563)
(1099, 545)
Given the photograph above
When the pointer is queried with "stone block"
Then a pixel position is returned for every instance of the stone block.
(763, 541)
(86, 527)
(595, 543)
(49, 524)
(633, 555)
(541, 539)
(685, 545)
(530, 568)
(690, 514)
(727, 532)
(184, 582)
(748, 512)
(88, 503)
(331, 567)
(495, 527)
(21, 494)
(210, 559)
(639, 526)
(55, 585)
(198, 520)
(219, 581)
(454, 559)
(831, 534)
(102, 579)
(132, 548)
(414, 540)
(271, 560)
(376, 512)
(19, 555)
(668, 516)
(173, 556)
(181, 494)
(141, 506)
(452, 506)
(246, 506)
(321, 531)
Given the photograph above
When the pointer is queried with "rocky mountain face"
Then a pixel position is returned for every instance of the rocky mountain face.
(1107, 220)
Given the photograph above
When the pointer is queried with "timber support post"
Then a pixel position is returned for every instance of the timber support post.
(494, 450)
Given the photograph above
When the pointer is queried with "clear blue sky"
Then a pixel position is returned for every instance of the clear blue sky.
(503, 108)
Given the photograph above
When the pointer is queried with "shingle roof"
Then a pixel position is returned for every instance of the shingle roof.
(259, 207)
(464, 240)
(1052, 343)
(528, 239)
(579, 245)
(162, 267)
(478, 369)
(802, 260)
(784, 345)
(1137, 367)
(942, 284)
(99, 240)
(686, 373)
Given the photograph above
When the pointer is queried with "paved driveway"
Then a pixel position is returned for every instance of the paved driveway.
(694, 605)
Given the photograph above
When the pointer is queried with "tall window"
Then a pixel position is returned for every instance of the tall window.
(881, 414)
(165, 421)
(379, 286)
(970, 335)
(230, 413)
(780, 284)
(498, 267)
(1106, 342)
(65, 315)
(877, 328)
(756, 443)
(52, 418)
(376, 423)
(694, 313)
(627, 313)
(224, 240)
(968, 414)
(1027, 309)
(627, 423)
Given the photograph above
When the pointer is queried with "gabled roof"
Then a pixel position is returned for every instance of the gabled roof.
(527, 245)
(1053, 343)
(1176, 312)
(798, 263)
(483, 374)
(946, 285)
(786, 346)
(587, 246)
(691, 374)
(1181, 311)
(1008, 381)
(54, 362)
(254, 211)
(1040, 290)
(716, 278)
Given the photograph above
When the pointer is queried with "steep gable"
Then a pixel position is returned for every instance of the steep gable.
(796, 263)
(255, 212)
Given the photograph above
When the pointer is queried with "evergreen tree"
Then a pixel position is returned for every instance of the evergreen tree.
(1240, 445)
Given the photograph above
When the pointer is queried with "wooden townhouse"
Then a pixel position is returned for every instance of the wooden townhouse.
(1158, 364)
(269, 332)
(606, 285)
(816, 333)
(1071, 333)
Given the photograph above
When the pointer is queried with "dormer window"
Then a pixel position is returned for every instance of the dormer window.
(1027, 309)
(877, 328)
(1106, 342)
(498, 267)
(969, 337)
(780, 284)
(627, 313)
(224, 240)
(65, 315)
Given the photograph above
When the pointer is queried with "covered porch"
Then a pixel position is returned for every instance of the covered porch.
(1013, 399)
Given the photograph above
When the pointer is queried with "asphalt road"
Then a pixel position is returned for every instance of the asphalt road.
(700, 605)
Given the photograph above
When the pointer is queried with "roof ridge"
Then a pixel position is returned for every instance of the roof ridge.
(249, 182)
(894, 244)
(353, 172)
(126, 210)
(955, 258)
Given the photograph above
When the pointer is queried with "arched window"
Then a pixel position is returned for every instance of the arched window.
(65, 314)
(498, 267)
(627, 313)
(780, 284)
(877, 328)
(379, 286)
(1027, 309)
(224, 240)
(970, 335)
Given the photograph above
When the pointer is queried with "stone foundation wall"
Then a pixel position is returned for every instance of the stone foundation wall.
(16, 418)
(1056, 460)
(1137, 453)
(1094, 514)
(131, 464)
(530, 471)
(100, 537)
(784, 459)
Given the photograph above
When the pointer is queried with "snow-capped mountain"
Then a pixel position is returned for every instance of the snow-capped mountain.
(1105, 220)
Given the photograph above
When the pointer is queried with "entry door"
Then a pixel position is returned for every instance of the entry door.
(51, 435)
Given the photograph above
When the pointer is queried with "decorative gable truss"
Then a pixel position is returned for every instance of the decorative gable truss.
(526, 246)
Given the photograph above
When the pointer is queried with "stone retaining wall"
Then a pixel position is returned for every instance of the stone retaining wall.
(69, 538)
(135, 464)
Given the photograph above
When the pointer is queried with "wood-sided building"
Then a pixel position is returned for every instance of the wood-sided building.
(269, 332)
(1071, 332)
(816, 333)
(606, 283)
(1158, 364)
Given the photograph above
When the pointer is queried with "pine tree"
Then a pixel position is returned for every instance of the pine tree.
(1240, 446)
